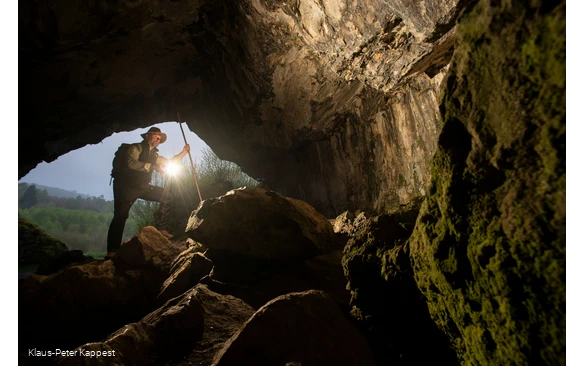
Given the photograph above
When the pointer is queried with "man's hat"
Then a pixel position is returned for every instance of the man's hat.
(163, 136)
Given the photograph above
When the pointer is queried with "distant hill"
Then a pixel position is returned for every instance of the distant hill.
(57, 192)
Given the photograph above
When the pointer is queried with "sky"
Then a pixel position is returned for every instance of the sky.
(87, 169)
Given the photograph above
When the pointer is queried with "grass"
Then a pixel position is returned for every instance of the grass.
(95, 255)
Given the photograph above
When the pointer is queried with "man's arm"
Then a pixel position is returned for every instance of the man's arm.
(162, 161)
(180, 155)
(132, 155)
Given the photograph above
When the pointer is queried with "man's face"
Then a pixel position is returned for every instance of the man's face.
(153, 138)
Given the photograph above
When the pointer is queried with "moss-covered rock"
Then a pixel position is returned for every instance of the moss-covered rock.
(384, 296)
(35, 245)
(489, 249)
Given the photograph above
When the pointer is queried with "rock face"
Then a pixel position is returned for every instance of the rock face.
(384, 294)
(331, 102)
(489, 247)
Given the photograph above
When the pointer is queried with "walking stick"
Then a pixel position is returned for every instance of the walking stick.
(190, 158)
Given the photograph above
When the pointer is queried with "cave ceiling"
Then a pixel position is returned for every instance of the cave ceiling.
(261, 82)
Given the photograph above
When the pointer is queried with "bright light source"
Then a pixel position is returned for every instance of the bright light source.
(172, 168)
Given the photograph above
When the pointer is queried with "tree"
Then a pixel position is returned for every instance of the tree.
(29, 198)
(144, 213)
(211, 170)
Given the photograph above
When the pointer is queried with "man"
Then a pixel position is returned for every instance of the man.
(132, 181)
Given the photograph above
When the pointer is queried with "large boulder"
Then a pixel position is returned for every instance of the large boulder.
(189, 328)
(305, 328)
(261, 225)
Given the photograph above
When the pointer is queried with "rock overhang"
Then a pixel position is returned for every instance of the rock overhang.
(263, 84)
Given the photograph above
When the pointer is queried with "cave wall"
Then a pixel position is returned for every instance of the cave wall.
(382, 159)
(331, 101)
(489, 247)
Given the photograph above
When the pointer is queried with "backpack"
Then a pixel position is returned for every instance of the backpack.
(120, 162)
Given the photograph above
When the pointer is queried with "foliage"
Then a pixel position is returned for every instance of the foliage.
(29, 197)
(214, 177)
(80, 229)
(83, 223)
(212, 170)
(95, 255)
(95, 204)
(35, 245)
(144, 213)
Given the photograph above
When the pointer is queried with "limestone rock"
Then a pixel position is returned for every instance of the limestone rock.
(186, 272)
(261, 225)
(304, 328)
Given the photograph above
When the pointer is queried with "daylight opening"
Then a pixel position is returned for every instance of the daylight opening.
(72, 197)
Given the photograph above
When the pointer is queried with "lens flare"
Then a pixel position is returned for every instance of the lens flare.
(172, 168)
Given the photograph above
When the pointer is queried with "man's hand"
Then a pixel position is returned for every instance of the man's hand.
(180, 155)
(159, 168)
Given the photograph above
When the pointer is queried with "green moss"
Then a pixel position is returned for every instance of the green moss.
(35, 245)
(488, 249)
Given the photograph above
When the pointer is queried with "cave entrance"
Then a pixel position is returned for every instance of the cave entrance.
(72, 198)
